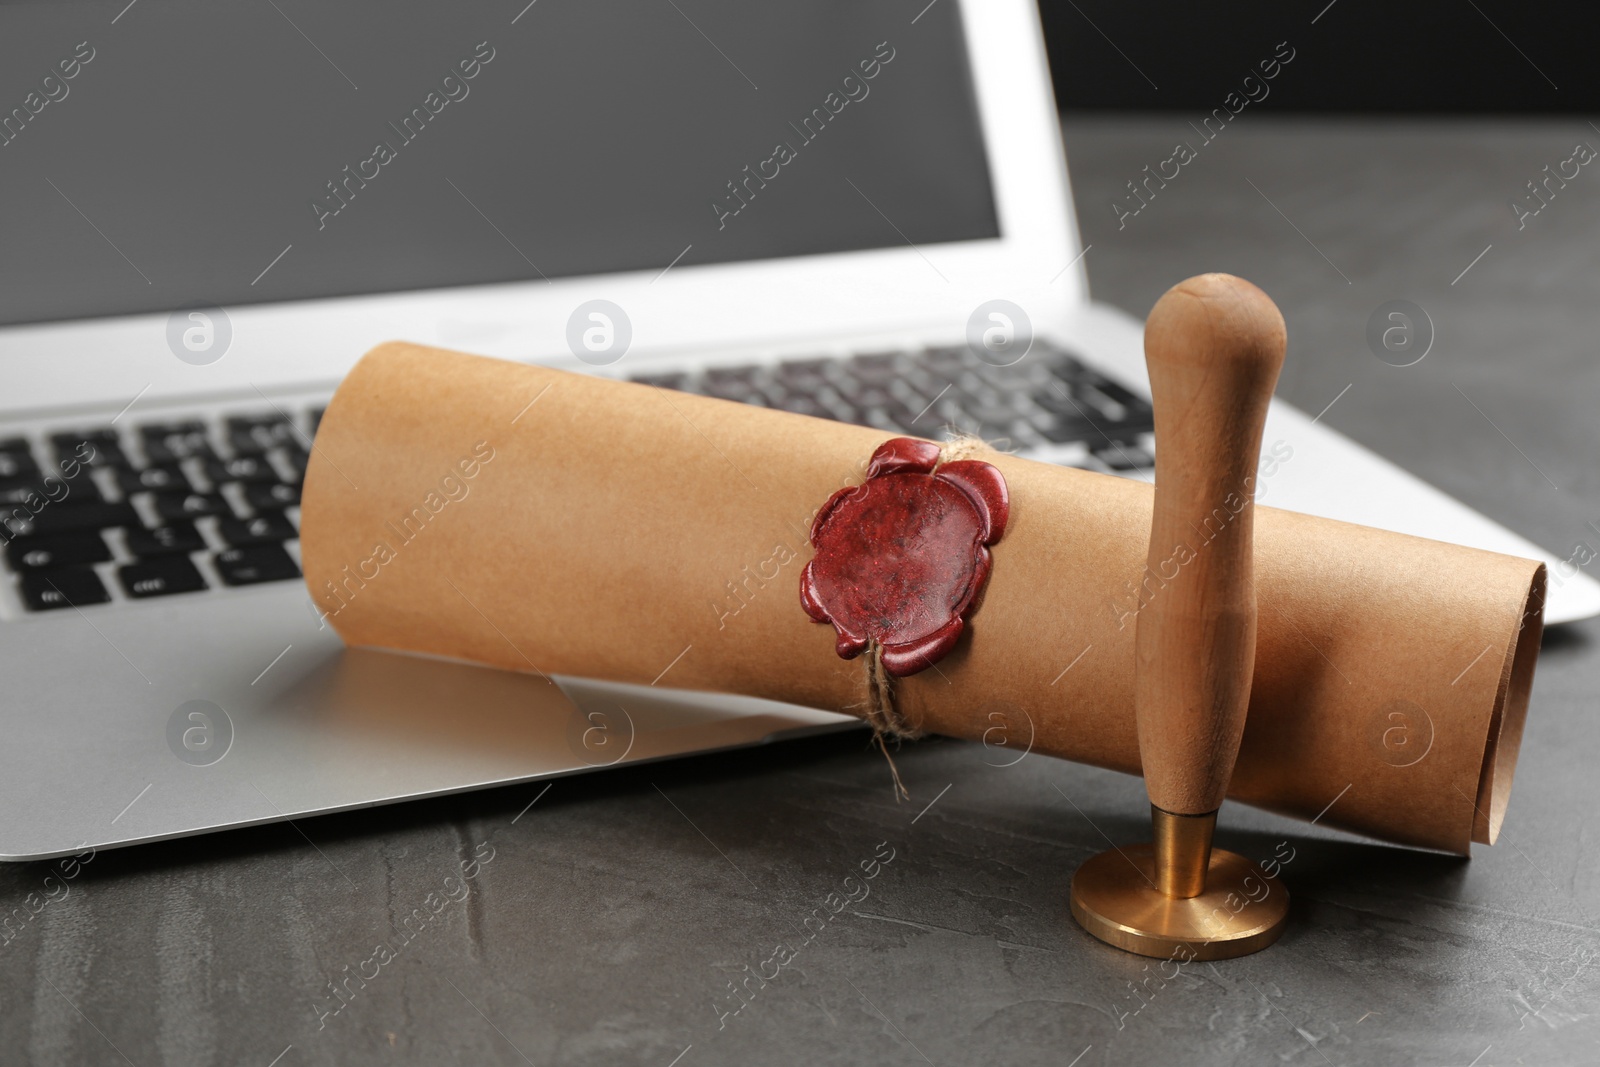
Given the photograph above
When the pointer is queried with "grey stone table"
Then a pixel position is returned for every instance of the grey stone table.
(608, 922)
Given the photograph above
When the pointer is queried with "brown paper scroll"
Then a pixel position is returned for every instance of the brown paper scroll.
(538, 520)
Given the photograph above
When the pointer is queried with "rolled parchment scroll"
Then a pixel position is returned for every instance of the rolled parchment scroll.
(532, 519)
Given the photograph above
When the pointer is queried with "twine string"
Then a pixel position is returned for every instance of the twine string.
(883, 714)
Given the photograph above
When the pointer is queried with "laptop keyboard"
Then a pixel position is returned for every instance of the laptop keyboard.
(1050, 398)
(95, 515)
(157, 509)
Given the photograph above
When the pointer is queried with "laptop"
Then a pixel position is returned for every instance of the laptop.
(856, 211)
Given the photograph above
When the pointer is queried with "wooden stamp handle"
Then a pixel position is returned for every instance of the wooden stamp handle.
(1214, 345)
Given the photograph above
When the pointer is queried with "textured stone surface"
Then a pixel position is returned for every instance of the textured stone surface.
(616, 910)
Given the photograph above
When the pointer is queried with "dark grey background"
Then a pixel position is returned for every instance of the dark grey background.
(596, 139)
(619, 906)
(1462, 57)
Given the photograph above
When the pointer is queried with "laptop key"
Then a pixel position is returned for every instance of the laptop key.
(1129, 430)
(17, 520)
(61, 550)
(805, 375)
(1070, 368)
(867, 396)
(943, 354)
(54, 487)
(175, 537)
(269, 527)
(877, 368)
(992, 414)
(953, 419)
(176, 507)
(878, 419)
(67, 515)
(745, 373)
(255, 564)
(1008, 379)
(240, 469)
(671, 380)
(803, 405)
(27, 492)
(161, 576)
(729, 389)
(1065, 429)
(251, 435)
(63, 587)
(92, 448)
(172, 442)
(16, 459)
(1124, 457)
(271, 497)
(997, 431)
(914, 420)
(1120, 415)
(297, 458)
(1059, 400)
(166, 478)
(1023, 435)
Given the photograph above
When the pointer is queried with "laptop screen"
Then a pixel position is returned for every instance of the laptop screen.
(190, 151)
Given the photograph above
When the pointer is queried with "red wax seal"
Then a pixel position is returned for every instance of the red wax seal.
(901, 556)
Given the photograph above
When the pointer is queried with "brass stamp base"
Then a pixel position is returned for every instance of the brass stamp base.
(1240, 911)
